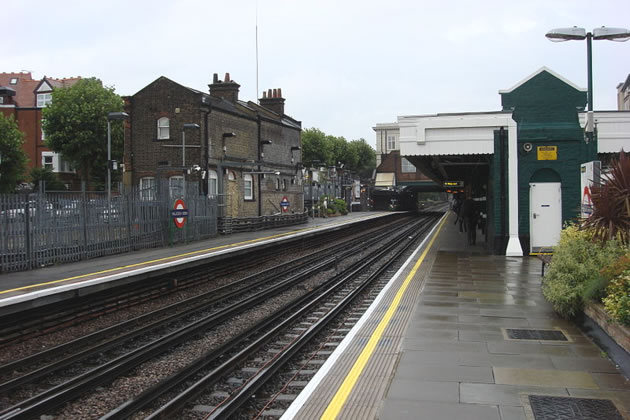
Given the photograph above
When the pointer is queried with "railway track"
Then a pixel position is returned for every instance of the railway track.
(45, 320)
(231, 382)
(245, 295)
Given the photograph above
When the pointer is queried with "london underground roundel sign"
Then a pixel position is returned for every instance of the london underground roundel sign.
(179, 213)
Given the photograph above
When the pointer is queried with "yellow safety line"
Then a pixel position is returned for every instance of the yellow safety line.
(338, 401)
(32, 286)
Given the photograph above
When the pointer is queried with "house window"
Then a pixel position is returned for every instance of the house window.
(284, 185)
(391, 142)
(163, 128)
(277, 184)
(147, 188)
(176, 186)
(1, 99)
(407, 166)
(212, 183)
(248, 187)
(13, 81)
(48, 161)
(43, 99)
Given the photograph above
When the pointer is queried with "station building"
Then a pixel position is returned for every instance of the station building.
(247, 154)
(522, 164)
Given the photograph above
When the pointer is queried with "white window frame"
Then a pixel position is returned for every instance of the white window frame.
(51, 164)
(163, 128)
(176, 186)
(44, 99)
(41, 127)
(406, 166)
(391, 142)
(248, 187)
(13, 81)
(147, 188)
(213, 183)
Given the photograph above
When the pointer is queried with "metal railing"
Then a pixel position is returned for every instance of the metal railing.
(40, 229)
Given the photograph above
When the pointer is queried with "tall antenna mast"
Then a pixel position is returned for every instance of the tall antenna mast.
(257, 52)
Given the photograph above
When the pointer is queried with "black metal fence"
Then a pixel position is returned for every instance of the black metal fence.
(40, 229)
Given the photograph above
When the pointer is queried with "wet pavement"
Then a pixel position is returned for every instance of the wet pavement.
(458, 360)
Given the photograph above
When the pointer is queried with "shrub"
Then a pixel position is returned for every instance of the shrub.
(617, 303)
(574, 273)
(617, 300)
(611, 203)
(340, 206)
(330, 211)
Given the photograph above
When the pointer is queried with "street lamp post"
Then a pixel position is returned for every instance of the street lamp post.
(575, 33)
(112, 116)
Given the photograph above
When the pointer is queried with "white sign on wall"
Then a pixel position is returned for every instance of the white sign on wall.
(589, 175)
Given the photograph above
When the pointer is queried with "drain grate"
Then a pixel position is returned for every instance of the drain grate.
(564, 408)
(549, 335)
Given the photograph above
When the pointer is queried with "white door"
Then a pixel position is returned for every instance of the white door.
(545, 214)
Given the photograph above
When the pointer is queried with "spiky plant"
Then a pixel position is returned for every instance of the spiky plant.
(611, 203)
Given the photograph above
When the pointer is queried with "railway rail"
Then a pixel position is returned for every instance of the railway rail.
(173, 326)
(41, 321)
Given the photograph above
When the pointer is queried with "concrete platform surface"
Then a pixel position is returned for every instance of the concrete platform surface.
(456, 361)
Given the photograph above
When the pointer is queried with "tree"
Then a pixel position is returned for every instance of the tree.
(315, 147)
(356, 156)
(76, 127)
(12, 157)
(52, 181)
(365, 157)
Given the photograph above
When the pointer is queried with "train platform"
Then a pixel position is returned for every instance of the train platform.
(48, 284)
(461, 334)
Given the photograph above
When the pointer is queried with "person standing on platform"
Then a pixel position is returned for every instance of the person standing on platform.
(469, 215)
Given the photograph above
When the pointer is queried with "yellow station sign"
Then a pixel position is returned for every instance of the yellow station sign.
(547, 152)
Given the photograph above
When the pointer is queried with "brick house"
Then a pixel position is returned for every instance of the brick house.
(246, 153)
(26, 105)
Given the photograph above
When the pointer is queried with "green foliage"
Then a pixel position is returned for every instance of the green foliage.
(356, 156)
(611, 203)
(339, 206)
(12, 157)
(76, 126)
(52, 181)
(617, 302)
(574, 273)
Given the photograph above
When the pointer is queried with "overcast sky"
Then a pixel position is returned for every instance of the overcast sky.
(343, 65)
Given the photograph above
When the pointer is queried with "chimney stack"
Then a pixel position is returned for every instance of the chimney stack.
(227, 89)
(273, 101)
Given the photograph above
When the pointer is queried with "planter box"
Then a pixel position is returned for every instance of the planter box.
(617, 332)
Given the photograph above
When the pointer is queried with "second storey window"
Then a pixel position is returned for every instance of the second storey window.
(391, 142)
(43, 99)
(248, 187)
(163, 128)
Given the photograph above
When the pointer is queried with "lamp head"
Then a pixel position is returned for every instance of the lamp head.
(191, 125)
(611, 34)
(566, 34)
(117, 116)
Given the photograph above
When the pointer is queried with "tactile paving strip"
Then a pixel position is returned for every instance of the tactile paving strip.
(564, 408)
(521, 334)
